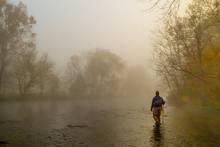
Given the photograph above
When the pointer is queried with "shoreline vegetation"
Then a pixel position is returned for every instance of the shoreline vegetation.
(187, 53)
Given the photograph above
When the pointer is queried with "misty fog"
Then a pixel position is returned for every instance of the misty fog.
(107, 73)
(70, 27)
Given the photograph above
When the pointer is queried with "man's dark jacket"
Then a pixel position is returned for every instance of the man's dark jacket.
(155, 101)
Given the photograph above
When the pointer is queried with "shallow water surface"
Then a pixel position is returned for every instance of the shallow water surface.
(101, 124)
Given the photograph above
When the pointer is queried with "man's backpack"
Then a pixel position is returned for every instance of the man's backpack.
(158, 102)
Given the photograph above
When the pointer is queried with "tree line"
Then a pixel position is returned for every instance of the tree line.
(187, 53)
(102, 73)
(24, 71)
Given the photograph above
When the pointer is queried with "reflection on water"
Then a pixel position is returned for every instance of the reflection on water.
(62, 123)
(157, 138)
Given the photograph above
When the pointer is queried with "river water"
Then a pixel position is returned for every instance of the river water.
(104, 124)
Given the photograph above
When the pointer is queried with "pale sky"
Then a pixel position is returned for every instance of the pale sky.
(67, 27)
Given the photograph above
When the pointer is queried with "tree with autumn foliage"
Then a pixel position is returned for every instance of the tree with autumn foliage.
(187, 53)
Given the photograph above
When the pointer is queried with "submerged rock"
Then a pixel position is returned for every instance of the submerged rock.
(4, 143)
(77, 126)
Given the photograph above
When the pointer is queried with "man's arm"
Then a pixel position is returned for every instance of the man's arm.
(163, 101)
(152, 105)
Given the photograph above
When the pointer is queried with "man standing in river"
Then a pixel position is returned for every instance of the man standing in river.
(156, 107)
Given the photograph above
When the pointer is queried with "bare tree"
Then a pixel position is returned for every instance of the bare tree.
(44, 69)
(53, 84)
(73, 70)
(171, 7)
